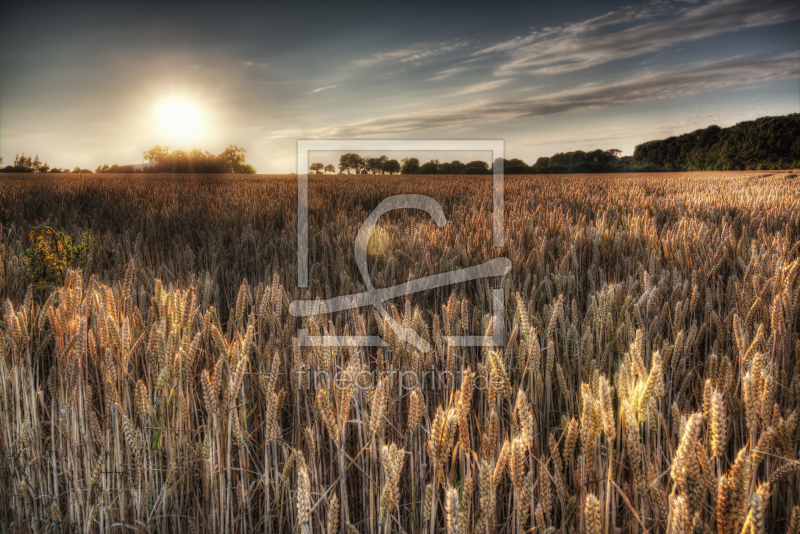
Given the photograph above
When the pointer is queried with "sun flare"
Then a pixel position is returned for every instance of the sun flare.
(179, 118)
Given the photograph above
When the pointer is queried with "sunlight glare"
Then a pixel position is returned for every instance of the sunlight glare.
(379, 242)
(178, 118)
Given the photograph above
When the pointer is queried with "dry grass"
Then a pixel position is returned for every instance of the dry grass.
(650, 379)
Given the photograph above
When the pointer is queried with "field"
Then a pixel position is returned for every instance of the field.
(151, 380)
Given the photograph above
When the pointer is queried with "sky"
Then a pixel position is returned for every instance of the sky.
(93, 83)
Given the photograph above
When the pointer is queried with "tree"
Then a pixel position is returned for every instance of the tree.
(329, 168)
(157, 154)
(316, 168)
(381, 162)
(374, 165)
(409, 166)
(233, 156)
(351, 162)
(23, 163)
(542, 163)
(516, 166)
(390, 166)
(454, 167)
(431, 167)
(231, 160)
(477, 167)
(765, 143)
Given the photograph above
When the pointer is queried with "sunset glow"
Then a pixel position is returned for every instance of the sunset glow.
(179, 119)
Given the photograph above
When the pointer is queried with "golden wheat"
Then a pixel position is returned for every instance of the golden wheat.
(161, 386)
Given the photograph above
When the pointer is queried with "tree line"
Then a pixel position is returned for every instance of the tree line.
(765, 143)
(563, 162)
(25, 163)
(578, 161)
(354, 164)
(231, 160)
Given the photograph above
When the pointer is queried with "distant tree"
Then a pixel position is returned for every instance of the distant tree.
(431, 167)
(454, 167)
(374, 165)
(56, 170)
(118, 169)
(23, 163)
(329, 169)
(765, 143)
(231, 160)
(390, 166)
(351, 162)
(316, 168)
(157, 154)
(409, 166)
(542, 163)
(381, 162)
(477, 167)
(233, 156)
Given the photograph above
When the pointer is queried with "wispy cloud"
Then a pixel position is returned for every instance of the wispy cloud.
(447, 73)
(698, 78)
(320, 89)
(413, 53)
(643, 29)
(485, 86)
(458, 68)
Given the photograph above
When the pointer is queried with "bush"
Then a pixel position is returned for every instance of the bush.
(52, 254)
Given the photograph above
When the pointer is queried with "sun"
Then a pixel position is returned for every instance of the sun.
(179, 119)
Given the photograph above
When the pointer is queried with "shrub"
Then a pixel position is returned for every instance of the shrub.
(52, 253)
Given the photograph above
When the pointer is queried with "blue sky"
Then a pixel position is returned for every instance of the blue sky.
(81, 84)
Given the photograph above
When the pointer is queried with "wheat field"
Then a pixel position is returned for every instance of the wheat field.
(152, 380)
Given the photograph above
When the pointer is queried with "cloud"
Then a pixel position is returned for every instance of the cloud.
(599, 40)
(480, 87)
(413, 53)
(447, 73)
(320, 89)
(698, 78)
(458, 68)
